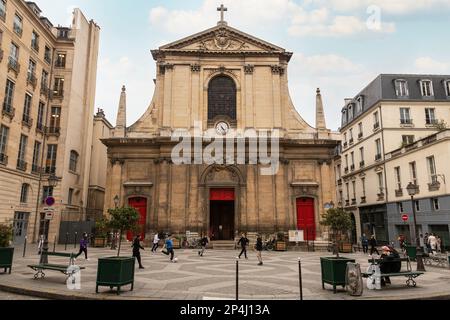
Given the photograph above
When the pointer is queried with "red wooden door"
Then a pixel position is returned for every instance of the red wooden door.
(306, 218)
(140, 204)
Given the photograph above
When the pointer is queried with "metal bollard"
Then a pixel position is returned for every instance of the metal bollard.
(300, 278)
(76, 238)
(237, 279)
(67, 240)
(54, 245)
(25, 246)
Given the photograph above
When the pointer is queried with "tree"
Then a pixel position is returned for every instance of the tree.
(5, 235)
(339, 222)
(123, 219)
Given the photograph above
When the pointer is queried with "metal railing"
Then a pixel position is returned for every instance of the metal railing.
(27, 121)
(13, 64)
(3, 159)
(21, 165)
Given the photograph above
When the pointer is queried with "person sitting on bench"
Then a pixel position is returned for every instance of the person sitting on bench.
(390, 263)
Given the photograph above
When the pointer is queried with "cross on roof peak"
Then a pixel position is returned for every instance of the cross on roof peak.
(222, 10)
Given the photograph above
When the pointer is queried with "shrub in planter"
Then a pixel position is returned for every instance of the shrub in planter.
(123, 219)
(101, 233)
(6, 252)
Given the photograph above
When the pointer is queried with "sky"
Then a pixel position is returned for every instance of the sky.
(339, 46)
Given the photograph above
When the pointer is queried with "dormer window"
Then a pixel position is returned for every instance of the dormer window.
(426, 86)
(359, 104)
(401, 88)
(350, 112)
(447, 87)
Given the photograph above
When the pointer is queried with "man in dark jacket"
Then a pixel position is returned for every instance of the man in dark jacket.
(83, 246)
(259, 249)
(136, 250)
(373, 245)
(203, 242)
(243, 242)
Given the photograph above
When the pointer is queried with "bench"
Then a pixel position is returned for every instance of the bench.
(411, 275)
(436, 260)
(39, 268)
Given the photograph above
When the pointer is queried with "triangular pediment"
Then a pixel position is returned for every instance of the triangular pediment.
(222, 38)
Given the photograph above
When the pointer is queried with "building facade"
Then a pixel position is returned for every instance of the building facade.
(48, 82)
(221, 79)
(394, 133)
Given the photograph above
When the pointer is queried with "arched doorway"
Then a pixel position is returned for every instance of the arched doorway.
(140, 204)
(222, 98)
(306, 220)
(222, 213)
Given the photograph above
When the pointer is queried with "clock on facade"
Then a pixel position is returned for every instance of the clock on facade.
(222, 128)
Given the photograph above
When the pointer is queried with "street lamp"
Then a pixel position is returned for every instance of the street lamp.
(53, 181)
(412, 191)
(113, 240)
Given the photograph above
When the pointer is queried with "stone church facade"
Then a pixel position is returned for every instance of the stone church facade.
(222, 79)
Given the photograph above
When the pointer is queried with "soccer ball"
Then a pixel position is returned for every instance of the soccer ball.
(175, 260)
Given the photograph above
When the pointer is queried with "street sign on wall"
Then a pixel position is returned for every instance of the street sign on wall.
(405, 217)
(50, 201)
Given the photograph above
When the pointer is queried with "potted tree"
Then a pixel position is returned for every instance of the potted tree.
(339, 223)
(118, 271)
(6, 251)
(101, 233)
(280, 245)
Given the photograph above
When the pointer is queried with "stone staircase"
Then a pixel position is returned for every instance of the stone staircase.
(223, 245)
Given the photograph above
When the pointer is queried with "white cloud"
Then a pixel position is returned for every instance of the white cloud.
(429, 65)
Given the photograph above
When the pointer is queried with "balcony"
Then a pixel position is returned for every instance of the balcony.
(376, 126)
(40, 127)
(352, 167)
(50, 170)
(378, 157)
(35, 169)
(60, 64)
(380, 196)
(346, 170)
(434, 186)
(22, 165)
(54, 131)
(13, 65)
(363, 199)
(345, 144)
(353, 202)
(8, 110)
(2, 15)
(362, 164)
(360, 135)
(47, 57)
(35, 45)
(406, 123)
(339, 182)
(347, 203)
(399, 193)
(351, 141)
(44, 89)
(58, 94)
(431, 122)
(31, 79)
(27, 121)
(3, 159)
(18, 29)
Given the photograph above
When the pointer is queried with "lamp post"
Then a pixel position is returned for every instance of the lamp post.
(113, 240)
(52, 182)
(412, 191)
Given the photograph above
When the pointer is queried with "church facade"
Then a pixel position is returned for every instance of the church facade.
(222, 80)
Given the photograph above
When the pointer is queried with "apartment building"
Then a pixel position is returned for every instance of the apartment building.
(394, 132)
(47, 90)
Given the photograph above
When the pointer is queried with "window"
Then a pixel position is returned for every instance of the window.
(345, 139)
(222, 95)
(50, 164)
(60, 60)
(351, 136)
(405, 116)
(432, 170)
(18, 27)
(24, 193)
(40, 116)
(44, 80)
(435, 204)
(401, 88)
(13, 60)
(380, 182)
(400, 207)
(3, 9)
(21, 164)
(363, 184)
(339, 174)
(360, 130)
(447, 87)
(347, 186)
(430, 116)
(35, 41)
(398, 178)
(407, 140)
(359, 104)
(341, 196)
(48, 55)
(4, 131)
(47, 192)
(354, 191)
(352, 155)
(36, 157)
(55, 119)
(413, 171)
(350, 112)
(58, 89)
(361, 154)
(27, 109)
(31, 74)
(9, 95)
(417, 204)
(70, 197)
(73, 161)
(426, 87)
(376, 120)
(346, 163)
(378, 148)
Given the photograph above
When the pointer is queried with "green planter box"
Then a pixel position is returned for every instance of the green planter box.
(411, 251)
(6, 258)
(115, 272)
(333, 271)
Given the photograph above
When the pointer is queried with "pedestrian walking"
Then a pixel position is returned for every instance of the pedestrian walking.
(156, 240)
(432, 241)
(365, 243)
(427, 243)
(203, 242)
(243, 242)
(169, 248)
(83, 247)
(259, 249)
(373, 245)
(136, 250)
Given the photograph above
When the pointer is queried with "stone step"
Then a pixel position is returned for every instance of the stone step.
(223, 245)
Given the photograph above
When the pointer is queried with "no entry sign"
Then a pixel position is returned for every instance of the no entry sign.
(405, 217)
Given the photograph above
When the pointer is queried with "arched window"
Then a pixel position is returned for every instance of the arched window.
(73, 161)
(24, 193)
(222, 98)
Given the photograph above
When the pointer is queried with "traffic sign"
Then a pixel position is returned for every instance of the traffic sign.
(46, 209)
(50, 201)
(49, 215)
(405, 217)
